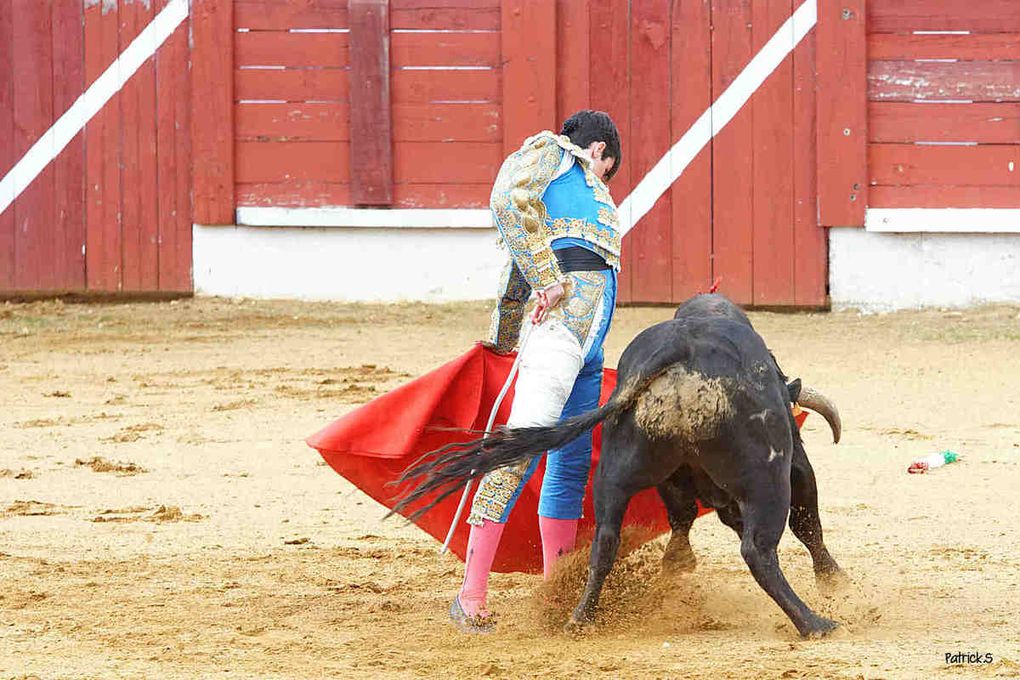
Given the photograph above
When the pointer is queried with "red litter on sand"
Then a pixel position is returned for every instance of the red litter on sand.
(935, 460)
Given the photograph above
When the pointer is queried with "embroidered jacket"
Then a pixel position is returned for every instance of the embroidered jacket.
(532, 207)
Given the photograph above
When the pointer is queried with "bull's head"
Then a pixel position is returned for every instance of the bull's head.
(819, 403)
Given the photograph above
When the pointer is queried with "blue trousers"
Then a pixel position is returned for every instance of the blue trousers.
(567, 467)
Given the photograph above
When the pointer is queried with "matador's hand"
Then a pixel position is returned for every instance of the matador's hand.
(547, 299)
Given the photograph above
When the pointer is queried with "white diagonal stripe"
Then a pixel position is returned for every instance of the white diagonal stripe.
(723, 109)
(60, 134)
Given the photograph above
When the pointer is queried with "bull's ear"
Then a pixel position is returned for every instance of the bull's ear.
(794, 390)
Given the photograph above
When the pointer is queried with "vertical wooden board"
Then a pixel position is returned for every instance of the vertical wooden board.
(811, 249)
(609, 91)
(528, 49)
(772, 207)
(102, 157)
(573, 61)
(691, 200)
(651, 238)
(138, 173)
(69, 166)
(732, 170)
(212, 64)
(842, 113)
(33, 115)
(173, 140)
(371, 159)
(7, 157)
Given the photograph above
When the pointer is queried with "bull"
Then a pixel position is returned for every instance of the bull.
(701, 411)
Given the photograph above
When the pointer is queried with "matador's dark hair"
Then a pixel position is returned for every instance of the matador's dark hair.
(587, 126)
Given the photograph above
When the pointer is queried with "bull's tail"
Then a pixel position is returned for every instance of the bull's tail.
(448, 469)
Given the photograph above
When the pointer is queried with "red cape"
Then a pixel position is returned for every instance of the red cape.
(372, 446)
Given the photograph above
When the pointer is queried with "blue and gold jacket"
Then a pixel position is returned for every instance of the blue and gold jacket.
(532, 207)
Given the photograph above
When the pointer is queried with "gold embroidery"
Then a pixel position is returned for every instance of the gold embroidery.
(602, 236)
(578, 311)
(495, 491)
(505, 326)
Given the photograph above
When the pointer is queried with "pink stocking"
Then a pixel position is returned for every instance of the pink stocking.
(558, 536)
(481, 551)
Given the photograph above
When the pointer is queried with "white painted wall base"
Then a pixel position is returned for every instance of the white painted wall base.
(357, 264)
(883, 272)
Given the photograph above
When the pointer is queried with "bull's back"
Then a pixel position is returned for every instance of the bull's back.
(696, 379)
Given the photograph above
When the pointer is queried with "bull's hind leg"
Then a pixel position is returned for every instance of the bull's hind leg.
(679, 496)
(764, 512)
(610, 505)
(805, 522)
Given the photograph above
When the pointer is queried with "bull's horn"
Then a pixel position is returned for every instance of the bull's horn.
(822, 405)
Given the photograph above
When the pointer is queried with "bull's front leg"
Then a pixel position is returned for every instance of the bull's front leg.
(806, 524)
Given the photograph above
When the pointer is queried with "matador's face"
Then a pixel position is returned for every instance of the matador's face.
(600, 165)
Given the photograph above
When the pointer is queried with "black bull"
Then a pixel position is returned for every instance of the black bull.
(701, 411)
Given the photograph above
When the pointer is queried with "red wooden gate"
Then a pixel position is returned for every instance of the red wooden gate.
(112, 211)
(744, 209)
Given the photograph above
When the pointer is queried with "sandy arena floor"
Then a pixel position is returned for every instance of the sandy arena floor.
(161, 517)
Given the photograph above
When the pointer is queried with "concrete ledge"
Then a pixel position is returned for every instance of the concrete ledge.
(884, 272)
(358, 264)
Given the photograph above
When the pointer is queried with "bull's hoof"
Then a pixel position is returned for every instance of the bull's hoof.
(833, 582)
(678, 563)
(819, 628)
(575, 626)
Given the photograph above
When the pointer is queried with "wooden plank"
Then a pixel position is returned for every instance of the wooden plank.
(912, 122)
(371, 123)
(942, 196)
(732, 170)
(34, 238)
(212, 100)
(609, 91)
(573, 64)
(424, 87)
(910, 164)
(528, 48)
(293, 121)
(904, 16)
(292, 85)
(259, 162)
(772, 205)
(970, 47)
(414, 162)
(316, 121)
(139, 211)
(842, 114)
(176, 258)
(444, 49)
(166, 154)
(320, 194)
(446, 162)
(7, 157)
(294, 50)
(651, 242)
(103, 157)
(983, 81)
(447, 122)
(462, 5)
(482, 18)
(811, 242)
(69, 166)
(280, 15)
(691, 200)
